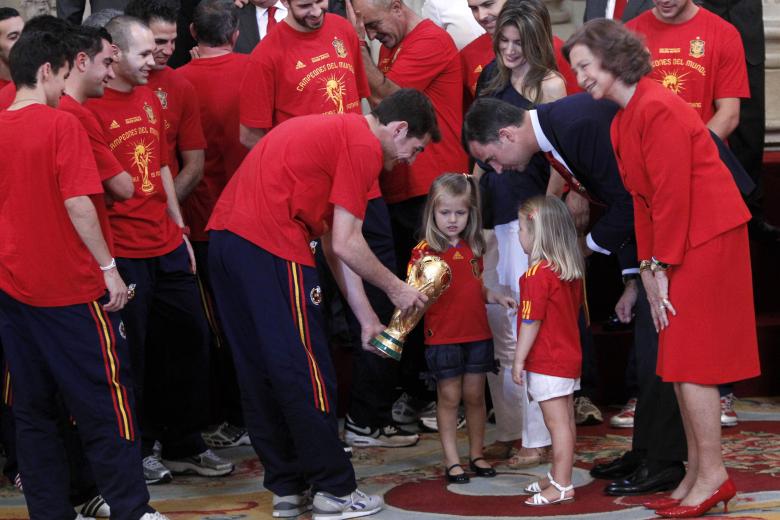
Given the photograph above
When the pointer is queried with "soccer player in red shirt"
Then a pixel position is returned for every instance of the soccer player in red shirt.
(699, 56)
(153, 251)
(11, 25)
(59, 326)
(177, 96)
(265, 280)
(216, 74)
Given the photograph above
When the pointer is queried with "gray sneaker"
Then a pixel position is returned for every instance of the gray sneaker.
(206, 464)
(226, 436)
(356, 504)
(289, 506)
(585, 412)
(154, 470)
(387, 436)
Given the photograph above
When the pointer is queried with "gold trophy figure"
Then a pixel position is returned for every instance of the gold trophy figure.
(431, 276)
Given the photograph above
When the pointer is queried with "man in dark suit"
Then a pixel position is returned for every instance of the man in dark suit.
(575, 132)
(254, 20)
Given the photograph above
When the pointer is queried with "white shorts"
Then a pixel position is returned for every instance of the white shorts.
(542, 387)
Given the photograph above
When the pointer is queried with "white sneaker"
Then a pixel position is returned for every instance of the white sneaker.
(82, 517)
(625, 419)
(585, 412)
(95, 506)
(354, 505)
(387, 436)
(429, 422)
(728, 417)
(154, 516)
(206, 464)
(290, 506)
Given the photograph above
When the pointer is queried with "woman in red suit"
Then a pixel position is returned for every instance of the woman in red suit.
(692, 243)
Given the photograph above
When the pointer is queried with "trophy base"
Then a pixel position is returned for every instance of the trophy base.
(387, 345)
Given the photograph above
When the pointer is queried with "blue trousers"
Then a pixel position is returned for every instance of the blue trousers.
(79, 352)
(268, 307)
(170, 368)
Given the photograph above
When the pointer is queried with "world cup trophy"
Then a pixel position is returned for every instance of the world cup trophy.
(431, 276)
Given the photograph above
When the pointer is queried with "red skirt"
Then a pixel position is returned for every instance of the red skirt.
(712, 340)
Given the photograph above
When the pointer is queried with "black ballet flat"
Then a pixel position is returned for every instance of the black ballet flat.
(481, 472)
(457, 479)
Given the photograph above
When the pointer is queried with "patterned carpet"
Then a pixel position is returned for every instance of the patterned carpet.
(411, 480)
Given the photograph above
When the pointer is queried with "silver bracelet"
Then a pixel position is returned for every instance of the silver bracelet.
(111, 265)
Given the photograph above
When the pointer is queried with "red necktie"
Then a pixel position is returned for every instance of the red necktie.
(271, 12)
(573, 183)
(620, 6)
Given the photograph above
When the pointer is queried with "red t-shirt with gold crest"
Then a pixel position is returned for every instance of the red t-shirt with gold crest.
(133, 127)
(701, 60)
(181, 113)
(293, 73)
(459, 315)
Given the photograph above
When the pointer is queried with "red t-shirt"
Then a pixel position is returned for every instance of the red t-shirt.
(701, 60)
(281, 198)
(4, 82)
(7, 95)
(46, 160)
(179, 102)
(473, 58)
(294, 73)
(107, 164)
(324, 75)
(545, 297)
(564, 68)
(133, 128)
(427, 59)
(459, 315)
(218, 83)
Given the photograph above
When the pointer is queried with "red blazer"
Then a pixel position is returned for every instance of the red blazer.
(683, 194)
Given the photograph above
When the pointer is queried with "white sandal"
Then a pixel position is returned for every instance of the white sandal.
(539, 500)
(535, 487)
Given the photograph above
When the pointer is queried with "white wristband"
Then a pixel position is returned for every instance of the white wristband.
(111, 265)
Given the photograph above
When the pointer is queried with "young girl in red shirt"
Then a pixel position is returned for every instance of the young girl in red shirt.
(548, 352)
(459, 345)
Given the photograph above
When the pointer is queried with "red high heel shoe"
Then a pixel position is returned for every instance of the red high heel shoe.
(724, 493)
(661, 503)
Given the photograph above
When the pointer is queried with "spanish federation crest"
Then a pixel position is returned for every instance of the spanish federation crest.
(316, 295)
(697, 48)
(341, 50)
(150, 113)
(163, 97)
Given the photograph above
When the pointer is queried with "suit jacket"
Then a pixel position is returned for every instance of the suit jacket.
(577, 126)
(597, 9)
(684, 195)
(248, 33)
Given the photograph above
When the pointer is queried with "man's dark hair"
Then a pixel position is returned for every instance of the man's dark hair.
(32, 50)
(215, 21)
(412, 106)
(486, 117)
(48, 24)
(101, 18)
(120, 28)
(89, 40)
(148, 10)
(8, 12)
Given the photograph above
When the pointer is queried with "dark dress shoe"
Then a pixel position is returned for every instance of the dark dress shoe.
(618, 468)
(644, 481)
(481, 472)
(457, 479)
